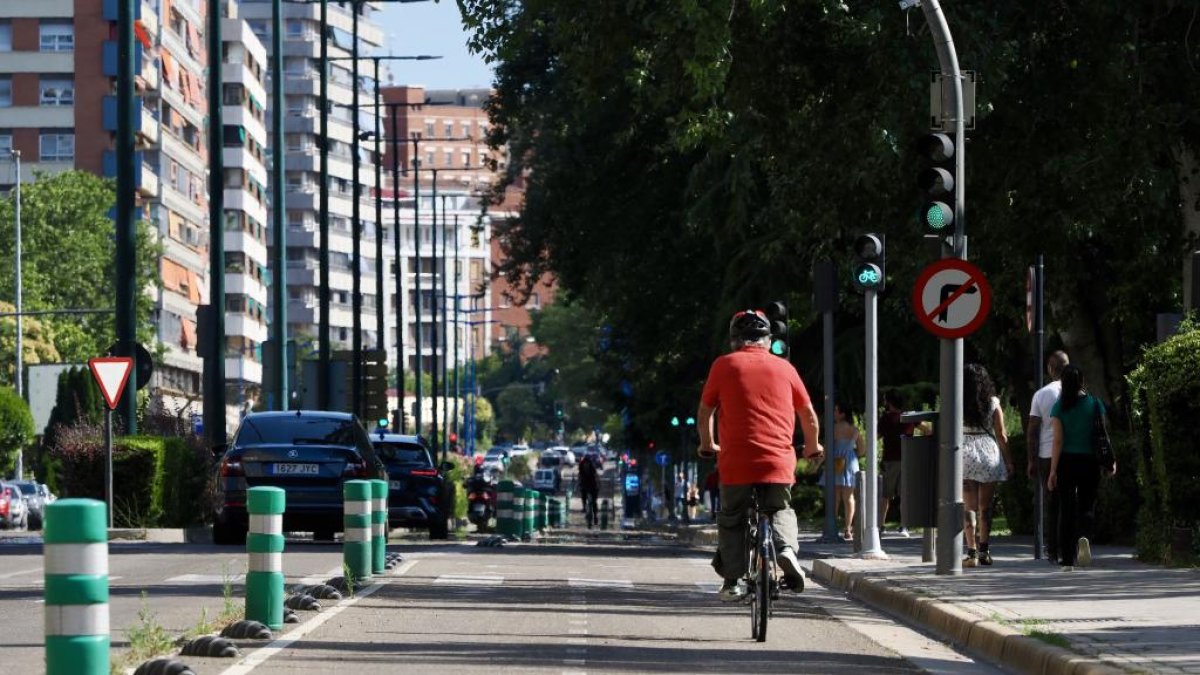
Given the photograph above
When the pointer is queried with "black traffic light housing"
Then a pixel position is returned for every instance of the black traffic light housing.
(870, 263)
(936, 182)
(777, 314)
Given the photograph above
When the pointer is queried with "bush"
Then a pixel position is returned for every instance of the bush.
(16, 428)
(183, 477)
(1165, 395)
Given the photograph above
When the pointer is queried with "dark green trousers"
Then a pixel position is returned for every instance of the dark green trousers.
(730, 561)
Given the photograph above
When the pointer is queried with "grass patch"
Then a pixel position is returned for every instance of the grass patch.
(350, 578)
(147, 639)
(1033, 628)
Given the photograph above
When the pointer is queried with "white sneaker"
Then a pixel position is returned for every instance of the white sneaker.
(792, 572)
(903, 532)
(1083, 554)
(732, 591)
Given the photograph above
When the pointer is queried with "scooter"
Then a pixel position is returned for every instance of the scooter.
(481, 501)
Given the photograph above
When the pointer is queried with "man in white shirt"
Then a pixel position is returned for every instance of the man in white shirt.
(1040, 439)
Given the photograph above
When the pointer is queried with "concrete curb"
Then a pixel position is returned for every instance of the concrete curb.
(995, 642)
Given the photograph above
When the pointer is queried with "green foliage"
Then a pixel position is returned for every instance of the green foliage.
(67, 260)
(16, 428)
(1166, 404)
(78, 398)
(181, 482)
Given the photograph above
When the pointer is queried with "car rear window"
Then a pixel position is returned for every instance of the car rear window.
(297, 430)
(403, 453)
(28, 488)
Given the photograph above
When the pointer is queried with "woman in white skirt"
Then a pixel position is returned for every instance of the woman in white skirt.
(985, 460)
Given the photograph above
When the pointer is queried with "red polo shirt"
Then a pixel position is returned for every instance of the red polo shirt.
(756, 395)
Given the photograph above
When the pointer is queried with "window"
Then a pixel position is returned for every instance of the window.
(466, 129)
(535, 301)
(5, 143)
(449, 158)
(57, 146)
(295, 28)
(57, 36)
(429, 128)
(429, 159)
(5, 36)
(5, 92)
(449, 127)
(57, 91)
(466, 159)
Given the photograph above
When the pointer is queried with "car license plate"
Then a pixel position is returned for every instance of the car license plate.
(296, 469)
(396, 485)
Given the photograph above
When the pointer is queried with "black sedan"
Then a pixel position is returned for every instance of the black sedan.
(306, 453)
(417, 492)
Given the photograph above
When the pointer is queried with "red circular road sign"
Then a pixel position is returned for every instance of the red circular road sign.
(951, 298)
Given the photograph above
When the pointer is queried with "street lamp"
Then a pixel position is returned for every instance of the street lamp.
(16, 157)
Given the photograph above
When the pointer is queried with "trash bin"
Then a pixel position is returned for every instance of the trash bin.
(918, 474)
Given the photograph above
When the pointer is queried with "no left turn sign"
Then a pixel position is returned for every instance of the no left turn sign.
(951, 298)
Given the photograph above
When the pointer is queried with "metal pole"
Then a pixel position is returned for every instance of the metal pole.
(108, 468)
(445, 338)
(214, 390)
(398, 231)
(1039, 376)
(830, 533)
(20, 386)
(457, 317)
(324, 356)
(950, 500)
(433, 324)
(380, 290)
(416, 139)
(278, 212)
(126, 253)
(871, 547)
(356, 368)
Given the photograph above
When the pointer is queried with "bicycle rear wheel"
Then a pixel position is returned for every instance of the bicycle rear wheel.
(761, 604)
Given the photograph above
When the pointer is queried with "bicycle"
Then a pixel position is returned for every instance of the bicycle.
(762, 574)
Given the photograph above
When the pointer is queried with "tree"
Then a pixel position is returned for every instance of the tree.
(37, 344)
(78, 399)
(16, 428)
(67, 261)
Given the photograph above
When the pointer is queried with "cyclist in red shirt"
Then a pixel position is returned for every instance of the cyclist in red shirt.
(758, 397)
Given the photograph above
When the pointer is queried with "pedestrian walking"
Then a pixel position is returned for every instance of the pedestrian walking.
(891, 431)
(1040, 438)
(712, 485)
(848, 447)
(986, 460)
(589, 489)
(1074, 467)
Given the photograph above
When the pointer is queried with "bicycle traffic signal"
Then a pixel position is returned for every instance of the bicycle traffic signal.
(870, 263)
(936, 181)
(777, 314)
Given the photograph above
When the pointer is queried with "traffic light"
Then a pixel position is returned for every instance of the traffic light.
(674, 421)
(558, 411)
(936, 182)
(870, 263)
(777, 314)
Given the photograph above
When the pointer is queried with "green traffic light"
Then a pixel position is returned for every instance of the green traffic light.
(674, 421)
(691, 421)
(777, 347)
(938, 216)
(868, 276)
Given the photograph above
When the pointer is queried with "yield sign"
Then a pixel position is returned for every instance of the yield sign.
(111, 373)
(951, 298)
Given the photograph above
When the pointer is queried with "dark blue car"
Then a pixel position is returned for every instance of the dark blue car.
(308, 454)
(417, 491)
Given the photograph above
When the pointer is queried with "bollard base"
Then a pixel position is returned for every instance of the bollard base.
(77, 655)
(264, 598)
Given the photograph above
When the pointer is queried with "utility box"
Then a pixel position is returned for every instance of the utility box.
(918, 474)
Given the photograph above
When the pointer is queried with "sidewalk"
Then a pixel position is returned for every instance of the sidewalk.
(1117, 616)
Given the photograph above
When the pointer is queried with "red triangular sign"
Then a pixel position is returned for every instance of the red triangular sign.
(111, 373)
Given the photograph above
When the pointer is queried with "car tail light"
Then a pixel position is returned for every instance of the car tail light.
(3, 506)
(356, 468)
(471, 496)
(231, 468)
(423, 472)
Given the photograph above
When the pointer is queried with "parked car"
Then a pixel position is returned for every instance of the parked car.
(34, 500)
(496, 459)
(416, 491)
(550, 460)
(519, 450)
(14, 514)
(309, 454)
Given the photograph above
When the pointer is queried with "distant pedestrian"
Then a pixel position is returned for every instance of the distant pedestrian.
(712, 485)
(1039, 437)
(1074, 469)
(891, 431)
(985, 460)
(848, 447)
(680, 494)
(589, 489)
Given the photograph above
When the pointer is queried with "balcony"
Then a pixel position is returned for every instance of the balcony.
(144, 178)
(243, 369)
(237, 323)
(237, 283)
(239, 116)
(239, 158)
(241, 242)
(237, 199)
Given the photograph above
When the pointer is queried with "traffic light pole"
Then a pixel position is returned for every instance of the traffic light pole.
(126, 253)
(278, 210)
(950, 420)
(214, 360)
(324, 348)
(871, 548)
(357, 397)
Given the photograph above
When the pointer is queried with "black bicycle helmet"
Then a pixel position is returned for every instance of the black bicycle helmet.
(750, 324)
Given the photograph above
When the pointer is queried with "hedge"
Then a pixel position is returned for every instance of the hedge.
(1165, 393)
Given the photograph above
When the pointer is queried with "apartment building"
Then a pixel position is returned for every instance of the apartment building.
(301, 45)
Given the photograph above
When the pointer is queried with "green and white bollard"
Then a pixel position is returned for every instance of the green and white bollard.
(264, 544)
(518, 511)
(505, 522)
(379, 525)
(530, 513)
(356, 532)
(76, 587)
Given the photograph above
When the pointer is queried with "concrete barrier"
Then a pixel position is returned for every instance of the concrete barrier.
(356, 529)
(264, 545)
(76, 587)
(379, 525)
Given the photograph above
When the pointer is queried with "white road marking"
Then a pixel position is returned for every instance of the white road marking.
(206, 579)
(600, 583)
(470, 579)
(260, 656)
(578, 631)
(574, 662)
(9, 575)
(708, 586)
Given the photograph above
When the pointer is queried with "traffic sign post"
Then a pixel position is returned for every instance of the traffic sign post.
(951, 298)
(111, 373)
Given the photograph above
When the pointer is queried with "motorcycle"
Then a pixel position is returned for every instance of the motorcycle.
(481, 501)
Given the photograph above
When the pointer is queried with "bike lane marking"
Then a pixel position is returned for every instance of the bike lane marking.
(260, 656)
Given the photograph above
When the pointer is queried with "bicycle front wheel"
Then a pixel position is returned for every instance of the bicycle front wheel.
(762, 582)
